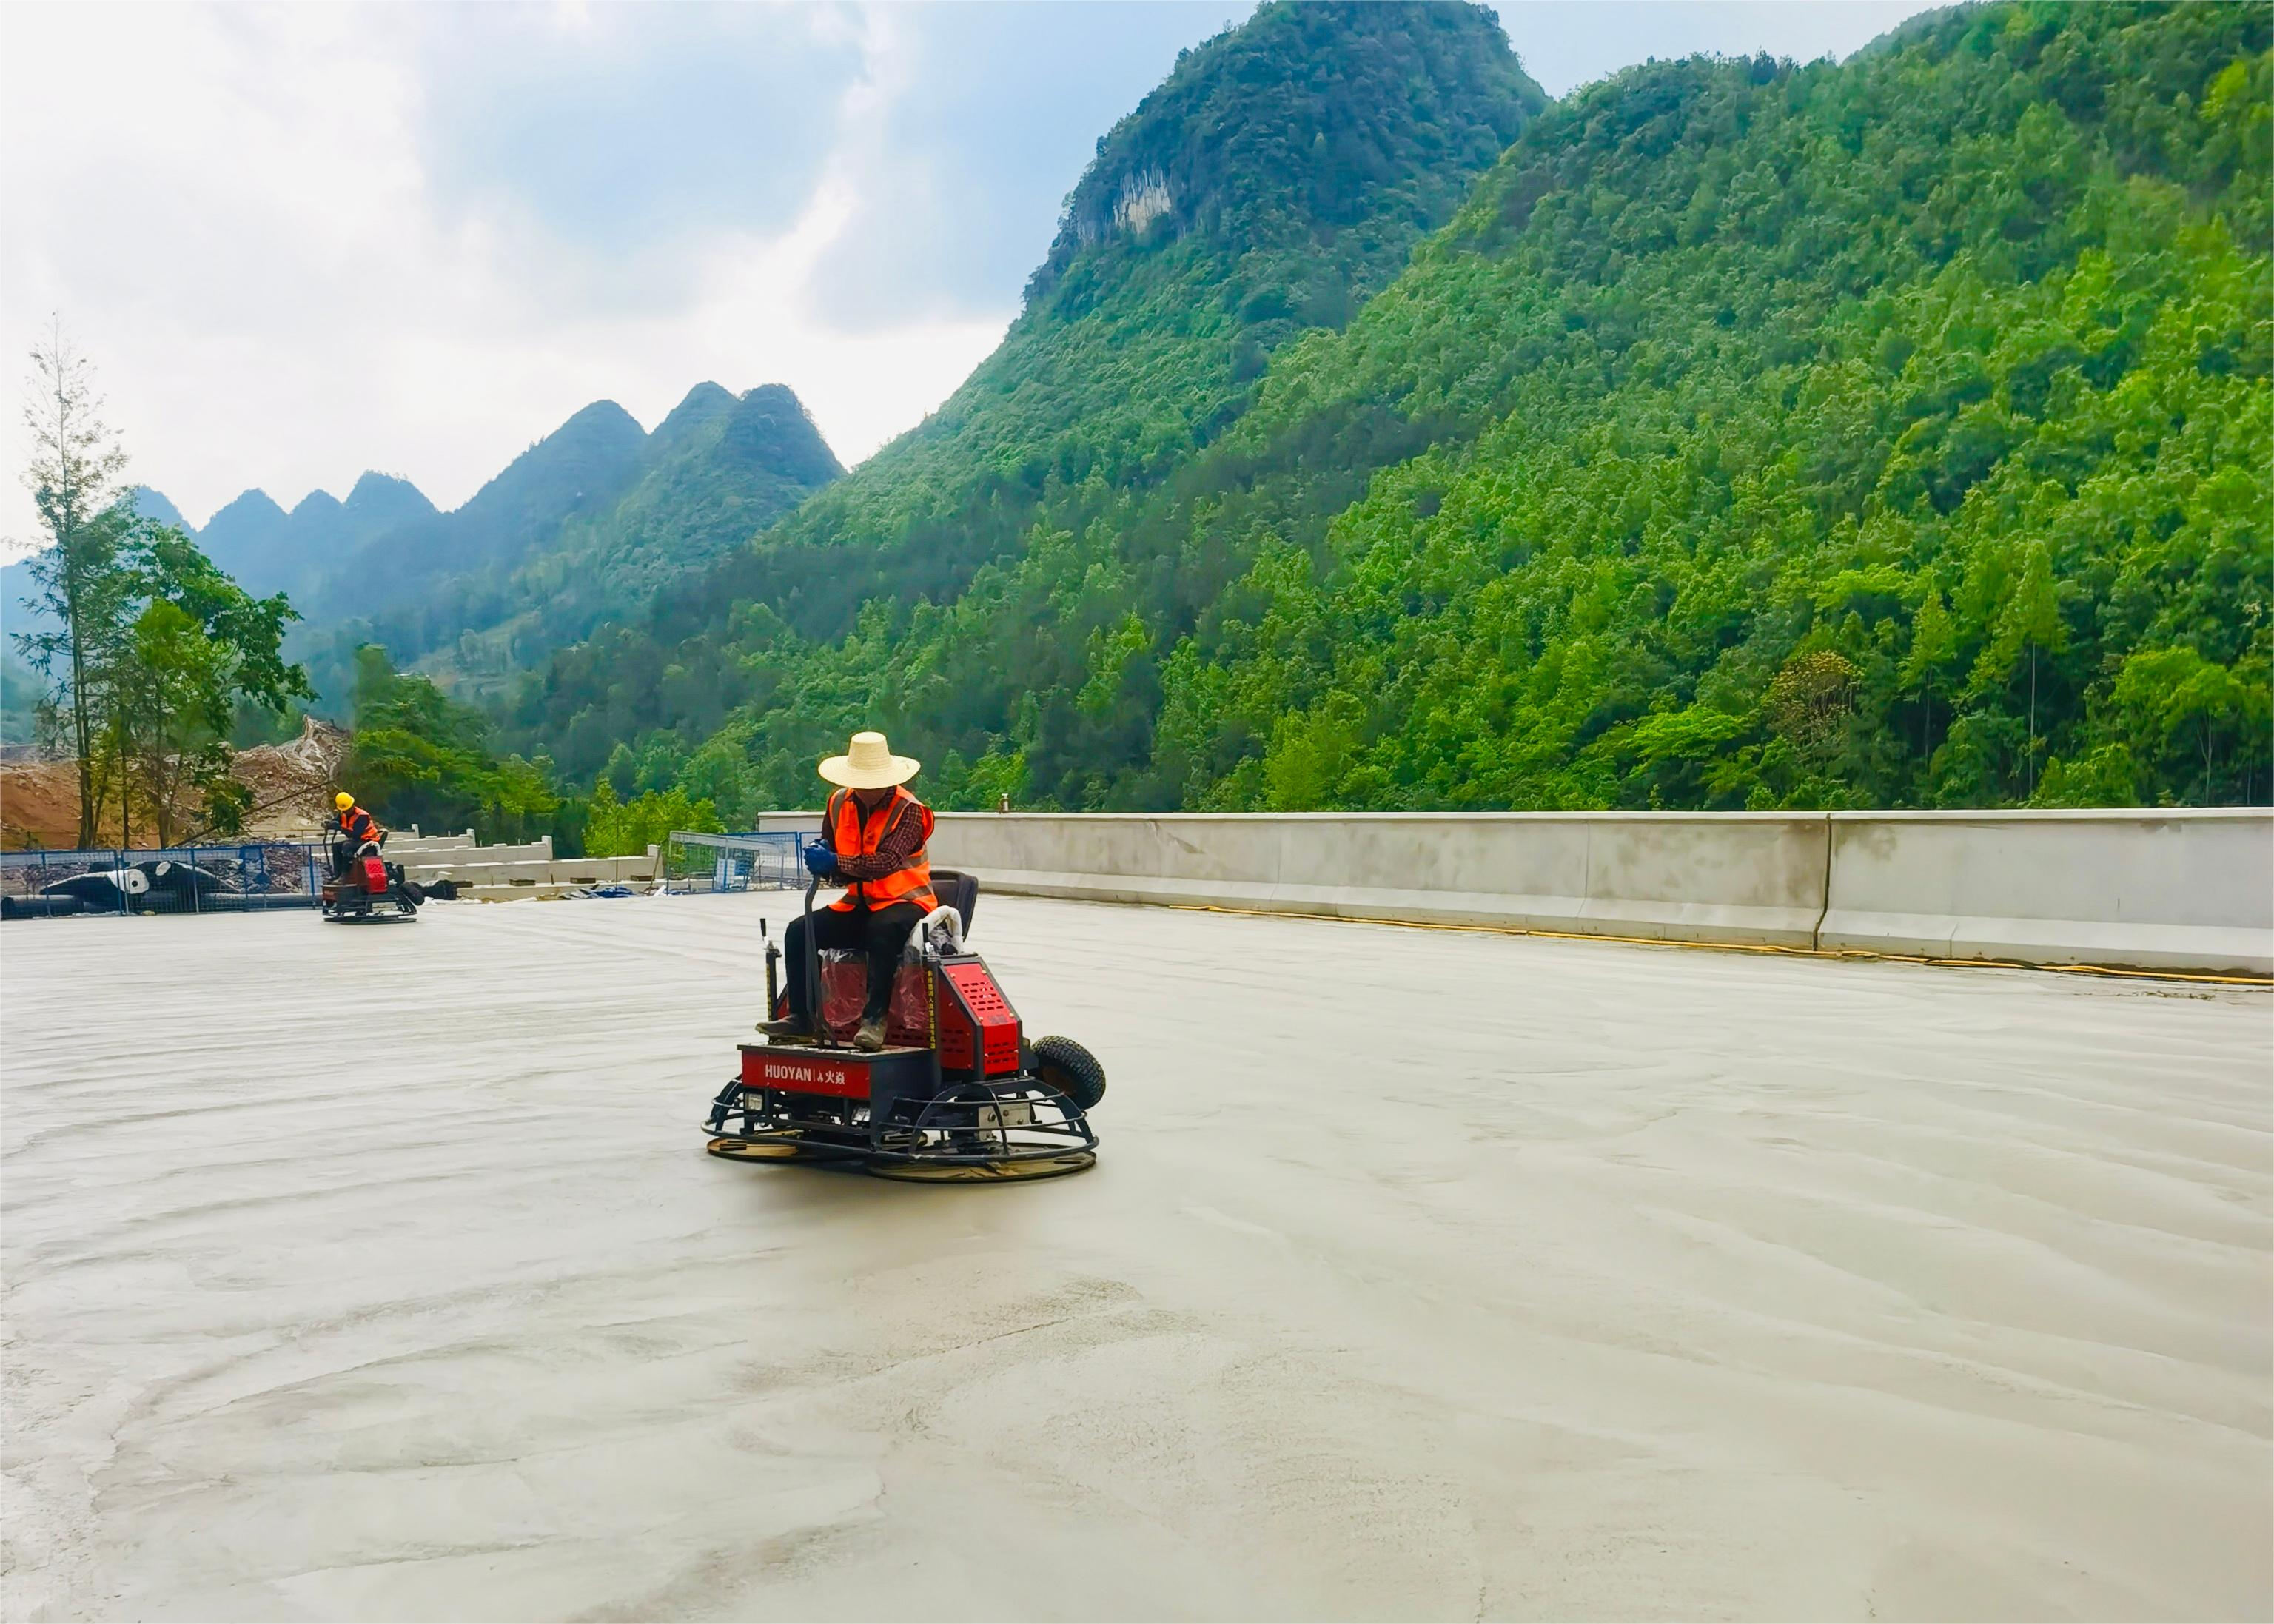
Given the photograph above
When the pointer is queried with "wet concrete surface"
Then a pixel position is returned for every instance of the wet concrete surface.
(379, 1274)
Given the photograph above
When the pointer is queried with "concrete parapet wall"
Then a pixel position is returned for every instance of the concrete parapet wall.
(1743, 877)
(2173, 890)
(2170, 890)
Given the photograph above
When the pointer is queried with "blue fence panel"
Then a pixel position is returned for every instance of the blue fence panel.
(184, 879)
(753, 860)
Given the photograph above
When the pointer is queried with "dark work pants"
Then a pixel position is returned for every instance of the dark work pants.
(880, 933)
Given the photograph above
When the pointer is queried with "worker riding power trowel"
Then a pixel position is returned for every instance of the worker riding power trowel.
(363, 887)
(931, 1077)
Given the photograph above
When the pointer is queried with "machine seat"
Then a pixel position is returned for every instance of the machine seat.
(957, 889)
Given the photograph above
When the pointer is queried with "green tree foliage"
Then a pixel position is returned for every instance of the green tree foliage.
(420, 758)
(176, 678)
(147, 648)
(1884, 433)
(618, 828)
(197, 649)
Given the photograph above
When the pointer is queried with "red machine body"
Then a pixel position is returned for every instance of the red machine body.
(846, 1076)
(953, 1012)
(982, 1033)
(374, 876)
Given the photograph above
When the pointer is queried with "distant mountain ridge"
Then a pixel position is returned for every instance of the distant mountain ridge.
(578, 466)
(262, 547)
(583, 527)
(269, 549)
(579, 528)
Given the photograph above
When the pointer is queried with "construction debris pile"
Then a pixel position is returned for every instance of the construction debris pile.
(291, 786)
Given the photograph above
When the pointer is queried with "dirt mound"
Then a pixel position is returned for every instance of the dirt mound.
(291, 786)
(39, 804)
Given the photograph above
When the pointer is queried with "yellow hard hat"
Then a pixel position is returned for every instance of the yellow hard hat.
(344, 800)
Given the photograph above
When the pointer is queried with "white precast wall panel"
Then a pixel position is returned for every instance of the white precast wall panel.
(1734, 877)
(2165, 889)
(1435, 867)
(2175, 889)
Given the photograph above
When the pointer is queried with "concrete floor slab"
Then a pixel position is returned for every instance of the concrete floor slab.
(379, 1274)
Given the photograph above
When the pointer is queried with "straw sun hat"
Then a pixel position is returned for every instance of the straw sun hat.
(870, 764)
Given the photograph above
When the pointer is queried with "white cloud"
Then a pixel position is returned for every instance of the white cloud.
(238, 212)
(1567, 43)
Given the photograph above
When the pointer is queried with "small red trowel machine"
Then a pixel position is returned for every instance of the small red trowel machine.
(370, 890)
(957, 1093)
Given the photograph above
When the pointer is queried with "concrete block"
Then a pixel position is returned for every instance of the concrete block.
(786, 822)
(416, 842)
(556, 871)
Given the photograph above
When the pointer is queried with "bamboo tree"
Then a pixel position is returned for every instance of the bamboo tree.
(1934, 643)
(74, 476)
(2028, 622)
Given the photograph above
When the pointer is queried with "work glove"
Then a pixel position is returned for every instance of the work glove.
(820, 860)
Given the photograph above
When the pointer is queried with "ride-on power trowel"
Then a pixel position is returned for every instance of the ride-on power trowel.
(366, 889)
(958, 1091)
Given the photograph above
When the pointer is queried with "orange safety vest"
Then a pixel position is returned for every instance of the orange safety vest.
(357, 826)
(851, 835)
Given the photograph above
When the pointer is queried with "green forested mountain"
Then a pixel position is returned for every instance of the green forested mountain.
(1892, 433)
(717, 470)
(579, 469)
(1888, 434)
(585, 525)
(1279, 176)
(249, 532)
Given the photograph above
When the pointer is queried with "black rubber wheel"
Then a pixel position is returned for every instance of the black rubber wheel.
(1066, 1066)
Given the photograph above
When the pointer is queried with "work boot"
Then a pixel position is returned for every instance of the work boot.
(870, 1037)
(789, 1027)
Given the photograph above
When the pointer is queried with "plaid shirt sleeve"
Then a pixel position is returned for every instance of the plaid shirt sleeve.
(891, 856)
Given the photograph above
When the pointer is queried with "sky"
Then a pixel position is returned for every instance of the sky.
(301, 241)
